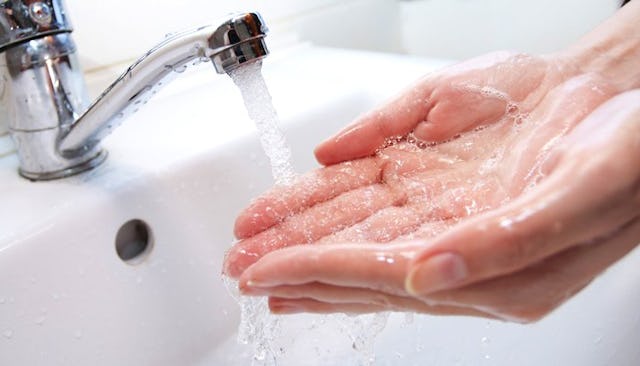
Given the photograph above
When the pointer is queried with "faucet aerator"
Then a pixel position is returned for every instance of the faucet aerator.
(242, 40)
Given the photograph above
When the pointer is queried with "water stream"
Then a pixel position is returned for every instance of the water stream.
(257, 100)
(258, 328)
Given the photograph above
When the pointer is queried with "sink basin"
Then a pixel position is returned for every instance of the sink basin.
(184, 166)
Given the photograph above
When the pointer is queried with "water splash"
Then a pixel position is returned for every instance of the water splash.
(258, 328)
(8, 334)
(363, 333)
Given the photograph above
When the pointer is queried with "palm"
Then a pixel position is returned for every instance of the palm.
(407, 191)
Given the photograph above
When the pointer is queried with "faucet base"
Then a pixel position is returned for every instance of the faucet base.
(67, 172)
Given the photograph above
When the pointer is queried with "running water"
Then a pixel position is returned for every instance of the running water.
(257, 100)
(258, 328)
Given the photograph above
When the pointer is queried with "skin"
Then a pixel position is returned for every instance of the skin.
(499, 188)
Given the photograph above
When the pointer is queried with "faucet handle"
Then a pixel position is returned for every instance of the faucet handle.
(22, 20)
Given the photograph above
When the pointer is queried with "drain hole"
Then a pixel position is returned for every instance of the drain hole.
(134, 241)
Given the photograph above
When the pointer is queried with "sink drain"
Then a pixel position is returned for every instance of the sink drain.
(134, 241)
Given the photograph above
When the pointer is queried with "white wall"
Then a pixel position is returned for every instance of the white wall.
(460, 29)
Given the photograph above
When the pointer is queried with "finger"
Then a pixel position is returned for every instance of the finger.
(457, 110)
(370, 131)
(432, 114)
(332, 298)
(318, 186)
(436, 108)
(579, 201)
(349, 265)
(534, 292)
(307, 305)
(327, 183)
(311, 225)
(284, 307)
(382, 227)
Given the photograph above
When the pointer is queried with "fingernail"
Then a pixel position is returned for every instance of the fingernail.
(437, 272)
(258, 284)
(250, 288)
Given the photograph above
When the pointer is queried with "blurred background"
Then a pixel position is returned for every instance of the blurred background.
(113, 31)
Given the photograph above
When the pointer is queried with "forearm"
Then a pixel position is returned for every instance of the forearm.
(613, 48)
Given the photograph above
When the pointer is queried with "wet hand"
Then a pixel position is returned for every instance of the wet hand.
(513, 108)
(515, 250)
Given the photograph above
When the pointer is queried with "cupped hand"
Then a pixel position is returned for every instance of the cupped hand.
(516, 261)
(456, 99)
(490, 223)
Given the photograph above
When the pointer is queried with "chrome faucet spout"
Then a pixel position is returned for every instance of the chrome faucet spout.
(238, 40)
(57, 133)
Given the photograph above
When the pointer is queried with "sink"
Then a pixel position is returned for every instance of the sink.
(72, 291)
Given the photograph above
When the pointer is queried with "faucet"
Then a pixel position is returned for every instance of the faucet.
(56, 131)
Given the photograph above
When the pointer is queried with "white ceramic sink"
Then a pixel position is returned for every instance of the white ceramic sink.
(185, 165)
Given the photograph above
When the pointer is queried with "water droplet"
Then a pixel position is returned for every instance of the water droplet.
(8, 334)
(518, 120)
(260, 355)
(40, 320)
(409, 318)
(506, 224)
(385, 259)
(77, 334)
(178, 69)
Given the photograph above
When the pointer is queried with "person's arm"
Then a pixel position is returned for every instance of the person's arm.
(612, 49)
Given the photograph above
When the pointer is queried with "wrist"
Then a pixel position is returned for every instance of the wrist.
(612, 49)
